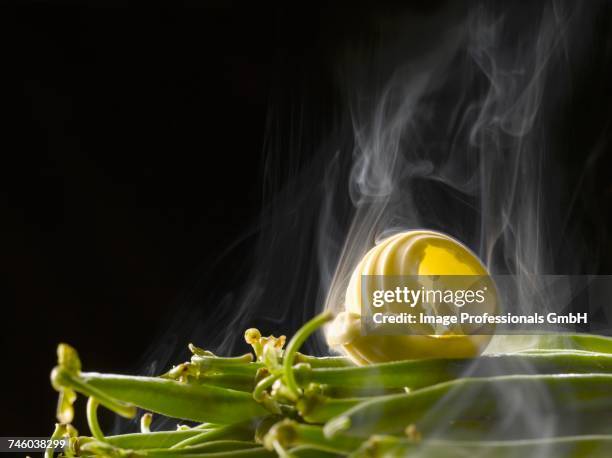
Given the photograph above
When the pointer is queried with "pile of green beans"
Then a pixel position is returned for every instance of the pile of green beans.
(277, 401)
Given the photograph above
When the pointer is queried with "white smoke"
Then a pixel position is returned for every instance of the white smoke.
(457, 137)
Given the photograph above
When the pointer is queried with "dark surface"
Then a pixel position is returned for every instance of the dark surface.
(132, 158)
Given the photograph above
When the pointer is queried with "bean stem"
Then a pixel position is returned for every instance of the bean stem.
(60, 432)
(290, 434)
(294, 345)
(263, 385)
(319, 409)
(92, 419)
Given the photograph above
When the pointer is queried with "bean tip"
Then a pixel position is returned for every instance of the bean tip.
(145, 422)
(283, 432)
(336, 425)
(252, 336)
(68, 358)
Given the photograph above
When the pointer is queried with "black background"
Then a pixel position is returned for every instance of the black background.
(132, 146)
(132, 158)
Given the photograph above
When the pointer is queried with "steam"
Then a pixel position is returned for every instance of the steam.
(458, 139)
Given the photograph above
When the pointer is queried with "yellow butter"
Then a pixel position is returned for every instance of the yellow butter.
(411, 253)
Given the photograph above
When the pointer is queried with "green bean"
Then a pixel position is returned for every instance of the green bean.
(238, 431)
(64, 381)
(99, 449)
(447, 399)
(238, 365)
(339, 391)
(290, 434)
(187, 401)
(107, 449)
(323, 361)
(232, 381)
(207, 447)
(585, 342)
(420, 373)
(206, 425)
(197, 369)
(258, 452)
(158, 439)
(220, 361)
(560, 447)
(480, 399)
(319, 409)
(304, 451)
(233, 376)
(221, 366)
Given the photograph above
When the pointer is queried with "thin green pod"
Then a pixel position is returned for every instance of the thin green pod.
(560, 447)
(207, 447)
(201, 355)
(339, 391)
(237, 365)
(318, 409)
(289, 434)
(238, 382)
(304, 451)
(166, 439)
(258, 452)
(323, 361)
(157, 439)
(101, 449)
(244, 431)
(480, 400)
(188, 401)
(584, 342)
(420, 373)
